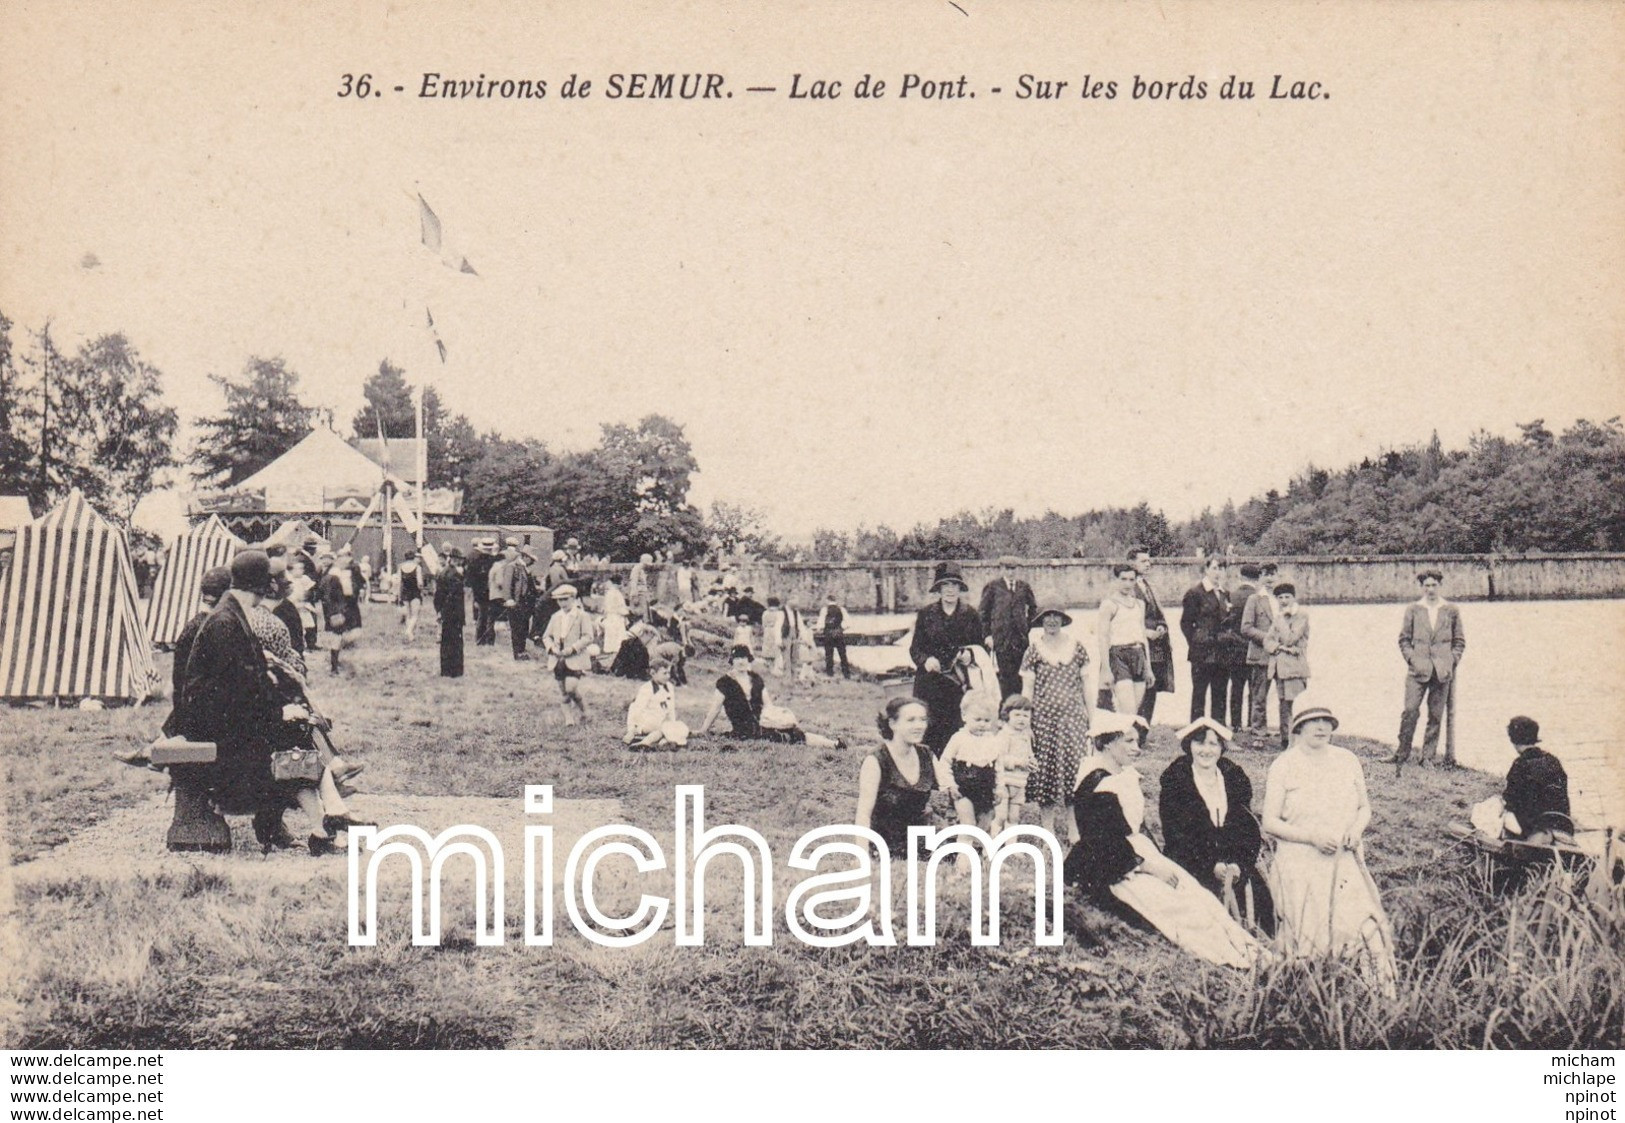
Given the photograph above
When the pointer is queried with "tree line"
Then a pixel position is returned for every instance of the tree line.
(96, 420)
(1537, 492)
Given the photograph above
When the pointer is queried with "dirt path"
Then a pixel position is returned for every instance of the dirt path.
(130, 842)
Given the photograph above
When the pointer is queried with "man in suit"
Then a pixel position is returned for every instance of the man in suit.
(477, 577)
(1257, 614)
(1431, 640)
(1006, 611)
(518, 598)
(1156, 634)
(1286, 645)
(1237, 648)
(1202, 619)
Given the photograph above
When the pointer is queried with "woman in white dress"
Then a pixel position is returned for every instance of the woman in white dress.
(1114, 856)
(1315, 807)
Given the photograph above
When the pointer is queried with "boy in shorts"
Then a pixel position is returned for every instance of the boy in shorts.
(1122, 637)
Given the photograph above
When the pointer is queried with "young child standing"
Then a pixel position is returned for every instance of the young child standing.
(972, 756)
(1014, 762)
(773, 636)
(651, 719)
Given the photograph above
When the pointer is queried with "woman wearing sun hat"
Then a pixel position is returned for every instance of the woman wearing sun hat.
(943, 630)
(1207, 820)
(1315, 807)
(1114, 859)
(1055, 678)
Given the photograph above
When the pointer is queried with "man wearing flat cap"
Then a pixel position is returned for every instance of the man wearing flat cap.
(1006, 612)
(519, 598)
(1431, 641)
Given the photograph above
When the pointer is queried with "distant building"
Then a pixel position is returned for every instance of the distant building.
(323, 478)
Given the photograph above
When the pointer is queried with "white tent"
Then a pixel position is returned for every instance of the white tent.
(70, 626)
(178, 594)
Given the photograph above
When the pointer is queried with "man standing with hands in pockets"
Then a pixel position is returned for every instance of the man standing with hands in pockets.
(1431, 640)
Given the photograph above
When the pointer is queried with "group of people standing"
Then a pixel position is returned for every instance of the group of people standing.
(1243, 642)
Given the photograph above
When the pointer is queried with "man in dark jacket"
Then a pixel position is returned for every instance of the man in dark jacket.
(1006, 609)
(477, 577)
(340, 592)
(1234, 642)
(1202, 619)
(519, 598)
(448, 602)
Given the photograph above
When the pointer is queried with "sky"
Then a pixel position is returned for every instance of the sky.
(862, 311)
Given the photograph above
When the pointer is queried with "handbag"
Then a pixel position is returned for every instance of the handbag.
(296, 764)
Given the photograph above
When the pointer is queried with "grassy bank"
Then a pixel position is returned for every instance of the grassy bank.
(212, 953)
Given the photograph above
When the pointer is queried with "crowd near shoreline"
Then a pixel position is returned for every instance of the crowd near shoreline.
(1004, 714)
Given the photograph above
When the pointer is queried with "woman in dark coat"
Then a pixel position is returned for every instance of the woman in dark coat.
(1208, 826)
(942, 630)
(448, 602)
(1115, 862)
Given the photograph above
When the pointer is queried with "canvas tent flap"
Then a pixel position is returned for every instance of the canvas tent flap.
(291, 535)
(177, 595)
(70, 625)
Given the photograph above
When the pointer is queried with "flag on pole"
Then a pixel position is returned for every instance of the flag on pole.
(435, 332)
(434, 240)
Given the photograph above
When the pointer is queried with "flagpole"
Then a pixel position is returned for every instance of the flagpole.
(423, 457)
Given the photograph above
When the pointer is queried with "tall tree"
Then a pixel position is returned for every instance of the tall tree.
(111, 433)
(19, 423)
(508, 481)
(263, 419)
(389, 400)
(734, 528)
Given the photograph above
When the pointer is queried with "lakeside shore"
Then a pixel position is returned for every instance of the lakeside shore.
(126, 945)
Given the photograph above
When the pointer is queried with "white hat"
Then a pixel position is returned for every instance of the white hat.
(1202, 723)
(1105, 722)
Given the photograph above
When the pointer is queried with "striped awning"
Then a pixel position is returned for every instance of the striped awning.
(177, 595)
(70, 626)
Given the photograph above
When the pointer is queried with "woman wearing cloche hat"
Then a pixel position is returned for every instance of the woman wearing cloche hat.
(1115, 859)
(1316, 809)
(943, 630)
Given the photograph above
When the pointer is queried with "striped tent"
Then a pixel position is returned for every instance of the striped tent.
(70, 626)
(175, 599)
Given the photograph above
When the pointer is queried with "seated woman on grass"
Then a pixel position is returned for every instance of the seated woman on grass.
(752, 716)
(897, 777)
(1114, 860)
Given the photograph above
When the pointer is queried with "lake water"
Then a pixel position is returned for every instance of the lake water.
(1560, 662)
